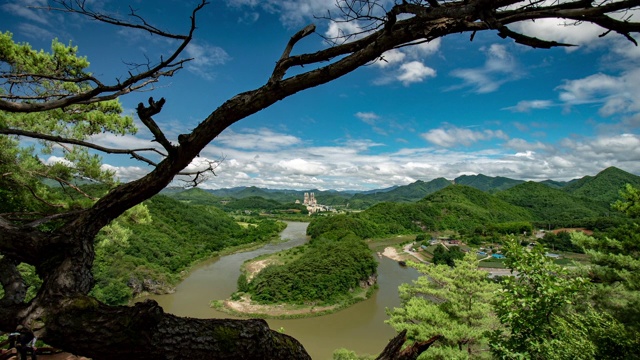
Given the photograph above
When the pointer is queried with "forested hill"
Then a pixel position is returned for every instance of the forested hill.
(137, 254)
(455, 207)
(604, 187)
(554, 205)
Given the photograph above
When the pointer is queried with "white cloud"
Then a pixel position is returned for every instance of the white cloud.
(363, 164)
(455, 136)
(25, 9)
(261, 139)
(301, 167)
(585, 34)
(344, 31)
(406, 64)
(390, 58)
(57, 160)
(206, 58)
(126, 173)
(423, 49)
(528, 105)
(499, 68)
(367, 117)
(523, 145)
(414, 71)
(616, 94)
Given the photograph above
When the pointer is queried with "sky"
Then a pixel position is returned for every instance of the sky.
(446, 108)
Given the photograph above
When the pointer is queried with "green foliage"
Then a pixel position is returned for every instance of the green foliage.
(456, 207)
(341, 225)
(616, 254)
(545, 315)
(451, 301)
(324, 274)
(511, 228)
(560, 242)
(21, 187)
(553, 207)
(615, 264)
(444, 256)
(344, 354)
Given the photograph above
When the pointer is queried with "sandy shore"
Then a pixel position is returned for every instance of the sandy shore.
(391, 253)
(245, 306)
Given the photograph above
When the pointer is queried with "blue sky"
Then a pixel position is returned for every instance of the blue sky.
(442, 109)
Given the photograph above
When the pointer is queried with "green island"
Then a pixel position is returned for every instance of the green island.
(323, 276)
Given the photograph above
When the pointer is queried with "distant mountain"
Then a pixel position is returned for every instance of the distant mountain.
(406, 193)
(487, 183)
(554, 184)
(604, 187)
(195, 196)
(377, 190)
(600, 190)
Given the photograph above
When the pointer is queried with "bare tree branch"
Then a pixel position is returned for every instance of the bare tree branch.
(58, 139)
(166, 67)
(145, 114)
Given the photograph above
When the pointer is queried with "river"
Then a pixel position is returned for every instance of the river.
(360, 328)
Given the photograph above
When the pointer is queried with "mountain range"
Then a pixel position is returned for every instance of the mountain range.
(602, 188)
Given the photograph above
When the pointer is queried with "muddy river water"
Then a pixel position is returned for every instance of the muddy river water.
(360, 328)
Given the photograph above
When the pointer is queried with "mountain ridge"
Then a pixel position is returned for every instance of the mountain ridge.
(602, 187)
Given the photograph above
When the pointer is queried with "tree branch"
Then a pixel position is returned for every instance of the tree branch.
(58, 139)
(393, 351)
(279, 71)
(145, 114)
(163, 68)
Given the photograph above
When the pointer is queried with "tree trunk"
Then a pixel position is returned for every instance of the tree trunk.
(84, 326)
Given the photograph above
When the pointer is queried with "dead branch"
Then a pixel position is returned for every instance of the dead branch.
(101, 92)
(58, 139)
(145, 114)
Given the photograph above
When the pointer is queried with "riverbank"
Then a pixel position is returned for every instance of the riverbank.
(244, 307)
(215, 256)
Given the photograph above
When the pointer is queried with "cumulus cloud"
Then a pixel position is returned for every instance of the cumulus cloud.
(455, 136)
(406, 65)
(361, 164)
(499, 68)
(57, 160)
(413, 72)
(390, 58)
